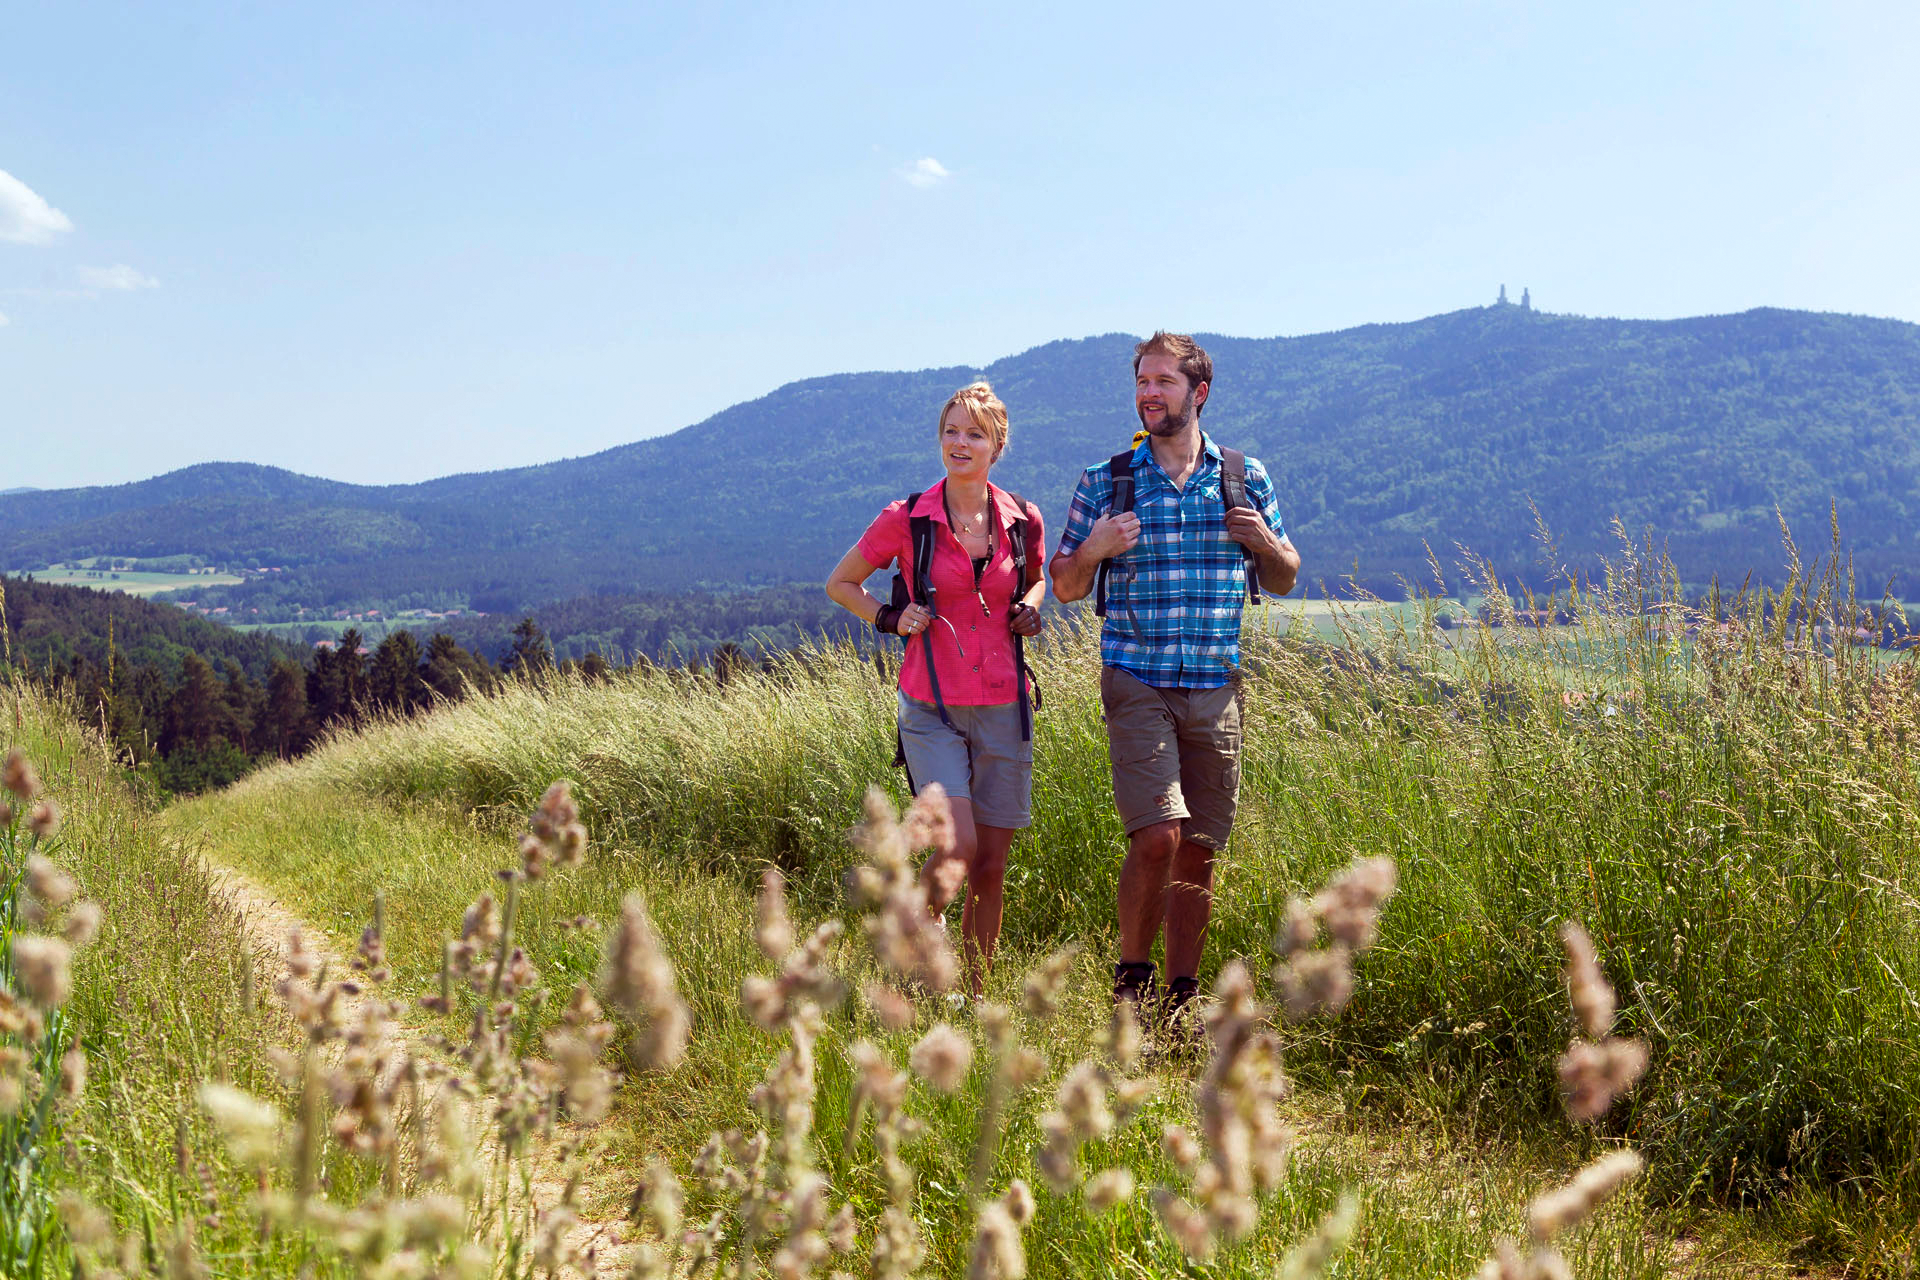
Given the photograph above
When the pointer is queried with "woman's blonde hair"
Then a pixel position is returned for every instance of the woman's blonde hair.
(984, 408)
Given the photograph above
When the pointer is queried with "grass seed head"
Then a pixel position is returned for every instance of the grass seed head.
(1040, 994)
(19, 778)
(1350, 904)
(47, 882)
(894, 1011)
(1108, 1189)
(997, 1253)
(1187, 1225)
(942, 1058)
(1593, 1075)
(43, 820)
(1587, 985)
(252, 1128)
(44, 968)
(773, 927)
(1310, 1257)
(1574, 1203)
(83, 923)
(638, 981)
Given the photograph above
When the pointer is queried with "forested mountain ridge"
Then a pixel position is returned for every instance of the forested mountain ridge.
(1381, 439)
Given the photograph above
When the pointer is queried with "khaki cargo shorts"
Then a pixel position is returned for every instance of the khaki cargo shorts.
(1175, 755)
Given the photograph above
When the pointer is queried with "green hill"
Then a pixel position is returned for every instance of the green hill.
(1383, 439)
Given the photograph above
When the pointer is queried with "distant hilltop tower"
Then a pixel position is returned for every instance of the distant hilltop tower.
(1501, 301)
(1526, 299)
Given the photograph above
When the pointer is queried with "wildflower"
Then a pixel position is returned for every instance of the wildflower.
(250, 1126)
(18, 776)
(1109, 1188)
(83, 923)
(774, 930)
(43, 820)
(942, 1058)
(1572, 1204)
(1587, 986)
(638, 982)
(43, 967)
(48, 882)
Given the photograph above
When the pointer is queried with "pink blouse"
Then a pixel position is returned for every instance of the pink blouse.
(974, 660)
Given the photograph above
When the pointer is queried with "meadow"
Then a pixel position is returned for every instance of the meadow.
(1731, 820)
(132, 581)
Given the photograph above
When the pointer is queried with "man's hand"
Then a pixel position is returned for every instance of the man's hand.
(1111, 535)
(1246, 526)
(1025, 620)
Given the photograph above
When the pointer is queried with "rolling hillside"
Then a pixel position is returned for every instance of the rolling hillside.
(1382, 438)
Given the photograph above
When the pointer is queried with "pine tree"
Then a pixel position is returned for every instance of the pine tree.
(531, 655)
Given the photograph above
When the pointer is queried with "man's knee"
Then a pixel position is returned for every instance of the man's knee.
(1155, 843)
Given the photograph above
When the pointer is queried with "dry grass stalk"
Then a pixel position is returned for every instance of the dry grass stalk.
(1592, 1074)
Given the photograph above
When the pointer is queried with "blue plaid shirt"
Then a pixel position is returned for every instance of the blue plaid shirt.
(1174, 601)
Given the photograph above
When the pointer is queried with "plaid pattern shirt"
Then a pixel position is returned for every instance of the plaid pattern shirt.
(1174, 601)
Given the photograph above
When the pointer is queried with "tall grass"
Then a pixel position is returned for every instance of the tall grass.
(1730, 811)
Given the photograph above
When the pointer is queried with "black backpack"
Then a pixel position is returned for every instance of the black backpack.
(1233, 493)
(920, 591)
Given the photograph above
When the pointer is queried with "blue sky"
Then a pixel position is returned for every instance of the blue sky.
(385, 242)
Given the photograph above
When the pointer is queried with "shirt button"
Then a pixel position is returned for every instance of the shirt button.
(976, 668)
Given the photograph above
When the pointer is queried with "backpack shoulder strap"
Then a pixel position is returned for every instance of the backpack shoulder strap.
(919, 585)
(1233, 493)
(1120, 467)
(920, 533)
(1019, 538)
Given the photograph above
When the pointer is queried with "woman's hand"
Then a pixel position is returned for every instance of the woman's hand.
(913, 620)
(1026, 620)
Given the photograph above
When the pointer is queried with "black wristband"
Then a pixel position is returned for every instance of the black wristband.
(887, 620)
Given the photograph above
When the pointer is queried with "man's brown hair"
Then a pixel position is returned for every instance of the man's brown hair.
(1195, 364)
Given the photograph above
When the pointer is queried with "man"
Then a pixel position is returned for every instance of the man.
(1170, 654)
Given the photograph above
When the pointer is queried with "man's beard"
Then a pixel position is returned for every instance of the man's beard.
(1173, 420)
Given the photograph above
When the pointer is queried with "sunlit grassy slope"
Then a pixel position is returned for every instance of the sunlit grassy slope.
(1733, 821)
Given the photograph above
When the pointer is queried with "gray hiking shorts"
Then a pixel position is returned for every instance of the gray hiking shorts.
(981, 759)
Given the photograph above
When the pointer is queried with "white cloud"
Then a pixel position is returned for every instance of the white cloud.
(116, 279)
(4, 322)
(24, 217)
(924, 172)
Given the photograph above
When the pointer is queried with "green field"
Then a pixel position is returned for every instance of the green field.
(132, 582)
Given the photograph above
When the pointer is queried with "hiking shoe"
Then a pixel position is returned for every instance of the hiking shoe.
(1134, 982)
(1180, 1028)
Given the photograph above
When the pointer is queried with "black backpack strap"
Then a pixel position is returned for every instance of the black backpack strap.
(1019, 538)
(1233, 493)
(1120, 467)
(918, 588)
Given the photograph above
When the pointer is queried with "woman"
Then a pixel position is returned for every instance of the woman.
(980, 750)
